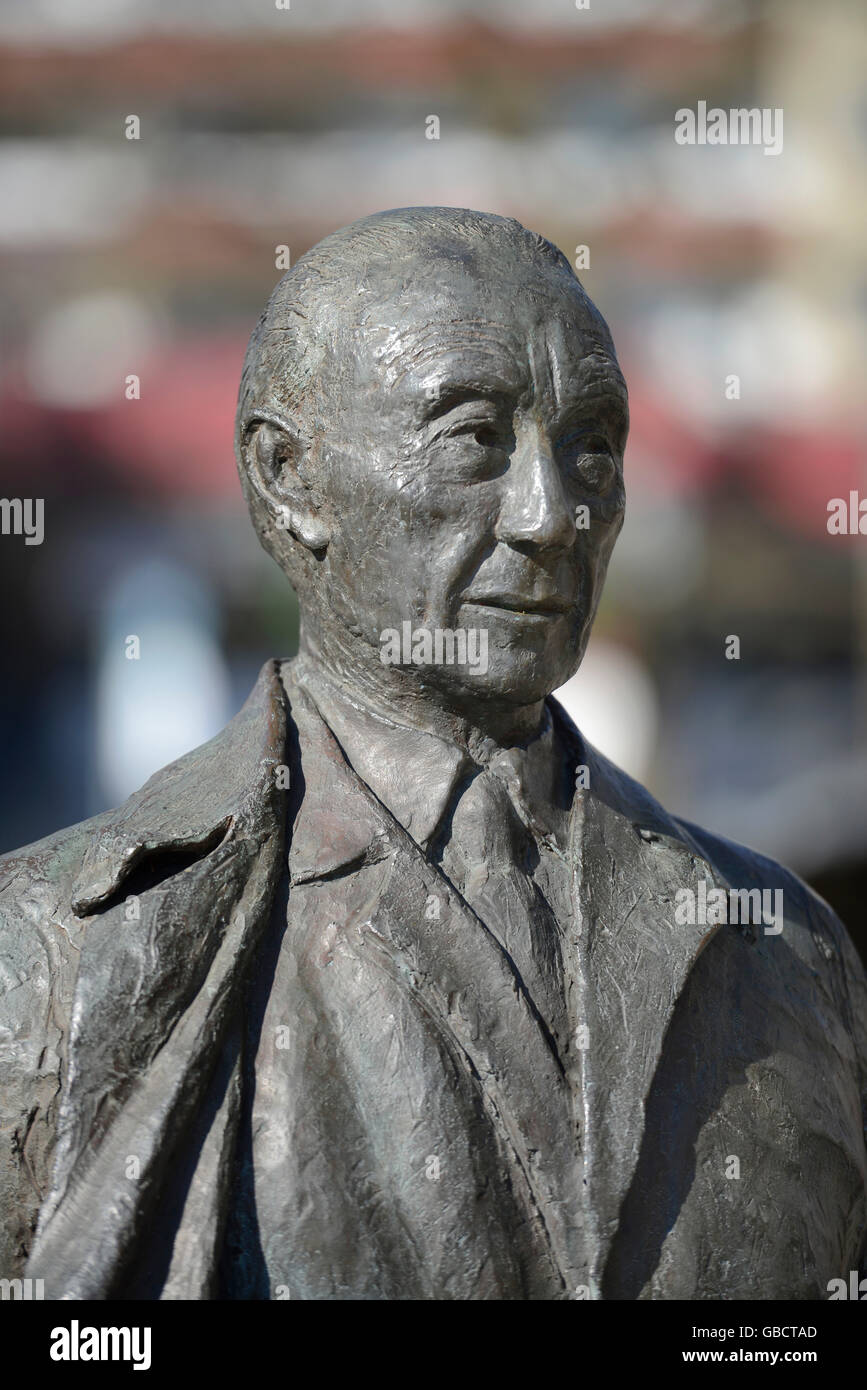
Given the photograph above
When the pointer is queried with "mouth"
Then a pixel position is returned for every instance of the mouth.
(546, 607)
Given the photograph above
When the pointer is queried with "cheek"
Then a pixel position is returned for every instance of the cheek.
(609, 536)
(613, 509)
(605, 526)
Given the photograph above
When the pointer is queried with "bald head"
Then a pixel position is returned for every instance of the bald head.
(355, 279)
(372, 298)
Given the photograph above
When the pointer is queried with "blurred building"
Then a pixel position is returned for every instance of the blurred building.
(734, 282)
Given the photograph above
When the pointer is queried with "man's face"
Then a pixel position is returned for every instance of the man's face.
(473, 458)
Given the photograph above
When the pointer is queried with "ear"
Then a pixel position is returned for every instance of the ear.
(274, 456)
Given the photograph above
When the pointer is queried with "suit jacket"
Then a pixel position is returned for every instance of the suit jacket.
(705, 1139)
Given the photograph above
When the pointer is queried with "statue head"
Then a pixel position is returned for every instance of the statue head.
(430, 430)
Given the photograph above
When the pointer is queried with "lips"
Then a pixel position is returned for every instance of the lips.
(552, 605)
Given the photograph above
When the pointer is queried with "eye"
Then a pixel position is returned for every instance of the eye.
(488, 437)
(484, 432)
(590, 460)
(596, 471)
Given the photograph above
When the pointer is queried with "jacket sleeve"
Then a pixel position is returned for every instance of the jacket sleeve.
(855, 1003)
(39, 936)
(816, 933)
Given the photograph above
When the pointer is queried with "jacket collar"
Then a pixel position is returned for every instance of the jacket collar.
(193, 802)
(382, 752)
(201, 795)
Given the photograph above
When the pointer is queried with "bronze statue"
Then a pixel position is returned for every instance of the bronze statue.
(398, 989)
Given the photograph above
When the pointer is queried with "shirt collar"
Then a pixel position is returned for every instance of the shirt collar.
(415, 772)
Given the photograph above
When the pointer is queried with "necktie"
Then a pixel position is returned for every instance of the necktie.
(496, 864)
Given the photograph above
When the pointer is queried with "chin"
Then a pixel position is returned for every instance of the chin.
(524, 678)
(512, 689)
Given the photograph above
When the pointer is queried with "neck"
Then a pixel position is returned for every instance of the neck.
(402, 695)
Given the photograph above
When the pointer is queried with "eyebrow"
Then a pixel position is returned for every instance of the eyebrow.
(607, 406)
(593, 381)
(597, 379)
(611, 393)
(448, 395)
(597, 369)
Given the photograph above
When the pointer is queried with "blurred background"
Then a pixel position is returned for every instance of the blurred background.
(265, 127)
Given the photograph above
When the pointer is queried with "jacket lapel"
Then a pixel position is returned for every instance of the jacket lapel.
(630, 965)
(175, 890)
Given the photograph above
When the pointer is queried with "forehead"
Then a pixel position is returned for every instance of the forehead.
(496, 325)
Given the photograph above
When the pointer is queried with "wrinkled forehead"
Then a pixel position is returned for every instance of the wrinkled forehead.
(518, 330)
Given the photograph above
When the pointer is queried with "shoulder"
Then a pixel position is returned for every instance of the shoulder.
(35, 891)
(811, 929)
(733, 863)
(40, 938)
(180, 805)
(45, 865)
(801, 905)
(36, 918)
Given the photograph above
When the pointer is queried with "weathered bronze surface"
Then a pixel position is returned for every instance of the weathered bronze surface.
(387, 991)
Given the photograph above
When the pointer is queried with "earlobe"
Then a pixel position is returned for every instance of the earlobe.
(308, 526)
(273, 455)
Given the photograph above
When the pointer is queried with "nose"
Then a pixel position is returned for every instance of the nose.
(534, 512)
